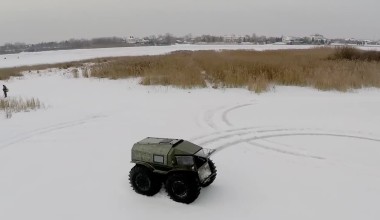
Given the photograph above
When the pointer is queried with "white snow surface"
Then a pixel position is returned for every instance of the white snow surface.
(291, 153)
(51, 57)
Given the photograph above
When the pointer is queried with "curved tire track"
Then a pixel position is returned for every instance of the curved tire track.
(221, 147)
(261, 134)
(271, 133)
(250, 139)
(285, 151)
(229, 135)
(208, 117)
(219, 132)
(226, 112)
(44, 130)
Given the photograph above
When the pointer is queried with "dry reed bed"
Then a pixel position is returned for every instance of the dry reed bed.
(6, 73)
(12, 105)
(321, 68)
(20, 104)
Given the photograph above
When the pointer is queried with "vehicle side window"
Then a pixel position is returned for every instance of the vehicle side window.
(158, 159)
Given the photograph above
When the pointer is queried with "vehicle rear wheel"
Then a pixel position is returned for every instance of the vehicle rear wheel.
(144, 181)
(182, 187)
(213, 171)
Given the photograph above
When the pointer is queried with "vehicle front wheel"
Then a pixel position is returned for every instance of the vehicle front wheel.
(182, 187)
(144, 181)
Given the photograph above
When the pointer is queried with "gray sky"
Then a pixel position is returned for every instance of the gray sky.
(33, 21)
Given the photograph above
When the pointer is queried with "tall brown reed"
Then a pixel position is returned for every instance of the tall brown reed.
(323, 68)
(12, 105)
(351, 53)
(251, 69)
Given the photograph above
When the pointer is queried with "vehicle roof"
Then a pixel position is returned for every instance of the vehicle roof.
(164, 145)
(186, 147)
(153, 140)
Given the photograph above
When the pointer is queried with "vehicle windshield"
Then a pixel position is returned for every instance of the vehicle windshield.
(204, 152)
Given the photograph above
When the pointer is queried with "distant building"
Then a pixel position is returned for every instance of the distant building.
(365, 42)
(229, 38)
(131, 40)
(318, 39)
(233, 39)
(291, 40)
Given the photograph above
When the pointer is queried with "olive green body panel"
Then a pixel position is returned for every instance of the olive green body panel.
(161, 152)
(146, 152)
(165, 155)
(186, 148)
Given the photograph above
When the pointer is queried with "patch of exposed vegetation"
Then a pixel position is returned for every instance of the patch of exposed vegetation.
(14, 105)
(6, 73)
(254, 70)
(351, 53)
(322, 68)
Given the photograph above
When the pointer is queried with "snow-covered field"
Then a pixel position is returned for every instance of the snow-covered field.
(49, 57)
(291, 153)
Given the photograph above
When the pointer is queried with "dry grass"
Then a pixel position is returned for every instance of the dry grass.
(13, 105)
(251, 69)
(6, 73)
(350, 53)
(323, 68)
(86, 72)
(177, 69)
(75, 73)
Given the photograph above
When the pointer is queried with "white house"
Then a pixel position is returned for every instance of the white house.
(318, 38)
(131, 40)
(289, 39)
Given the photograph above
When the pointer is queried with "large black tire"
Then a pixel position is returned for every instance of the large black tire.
(213, 171)
(183, 187)
(144, 181)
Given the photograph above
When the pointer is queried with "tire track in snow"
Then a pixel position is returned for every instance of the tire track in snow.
(285, 151)
(261, 134)
(226, 134)
(254, 134)
(250, 139)
(44, 130)
(226, 112)
(229, 135)
(209, 116)
(219, 132)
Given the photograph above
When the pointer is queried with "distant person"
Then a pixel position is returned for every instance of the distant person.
(5, 90)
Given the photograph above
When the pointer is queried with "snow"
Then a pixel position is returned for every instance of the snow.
(50, 57)
(291, 153)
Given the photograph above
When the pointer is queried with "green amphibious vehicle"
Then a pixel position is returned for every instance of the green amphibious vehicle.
(182, 166)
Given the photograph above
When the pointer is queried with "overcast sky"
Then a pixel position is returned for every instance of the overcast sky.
(33, 21)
